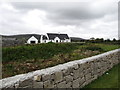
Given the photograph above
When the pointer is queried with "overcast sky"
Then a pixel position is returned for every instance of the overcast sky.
(97, 18)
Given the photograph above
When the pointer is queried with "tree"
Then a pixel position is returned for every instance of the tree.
(114, 40)
(99, 40)
(92, 38)
(108, 40)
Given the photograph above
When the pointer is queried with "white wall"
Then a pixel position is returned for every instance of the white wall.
(49, 41)
(32, 39)
(53, 40)
(57, 39)
(43, 41)
(62, 41)
(66, 40)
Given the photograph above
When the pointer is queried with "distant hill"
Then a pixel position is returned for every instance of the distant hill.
(21, 39)
(14, 40)
(21, 36)
(77, 39)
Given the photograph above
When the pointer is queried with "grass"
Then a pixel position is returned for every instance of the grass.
(40, 51)
(109, 80)
(23, 59)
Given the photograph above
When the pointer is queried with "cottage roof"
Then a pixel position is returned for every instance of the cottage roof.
(52, 36)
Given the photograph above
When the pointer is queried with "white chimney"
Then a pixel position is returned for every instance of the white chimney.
(41, 39)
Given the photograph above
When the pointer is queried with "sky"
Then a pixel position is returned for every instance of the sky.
(95, 18)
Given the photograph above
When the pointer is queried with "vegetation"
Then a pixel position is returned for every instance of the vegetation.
(40, 51)
(101, 40)
(108, 80)
(23, 59)
(94, 48)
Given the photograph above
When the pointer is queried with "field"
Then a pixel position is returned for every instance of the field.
(23, 59)
(109, 80)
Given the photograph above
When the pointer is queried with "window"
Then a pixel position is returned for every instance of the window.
(32, 42)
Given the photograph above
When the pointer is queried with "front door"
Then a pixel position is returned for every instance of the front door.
(56, 41)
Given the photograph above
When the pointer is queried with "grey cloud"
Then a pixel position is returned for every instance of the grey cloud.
(80, 10)
(81, 15)
(68, 13)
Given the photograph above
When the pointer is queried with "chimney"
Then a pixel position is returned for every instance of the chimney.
(41, 39)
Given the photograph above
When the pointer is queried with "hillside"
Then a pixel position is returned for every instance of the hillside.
(16, 40)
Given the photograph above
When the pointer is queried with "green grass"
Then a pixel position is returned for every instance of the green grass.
(27, 58)
(40, 51)
(108, 47)
(45, 51)
(109, 80)
(101, 47)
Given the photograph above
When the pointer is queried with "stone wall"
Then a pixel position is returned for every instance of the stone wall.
(12, 43)
(74, 74)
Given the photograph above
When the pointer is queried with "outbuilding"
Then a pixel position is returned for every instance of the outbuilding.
(32, 40)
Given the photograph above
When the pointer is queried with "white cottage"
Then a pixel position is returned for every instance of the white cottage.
(49, 37)
(35, 39)
(57, 38)
(32, 40)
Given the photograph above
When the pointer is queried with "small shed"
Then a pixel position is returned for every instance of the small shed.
(32, 40)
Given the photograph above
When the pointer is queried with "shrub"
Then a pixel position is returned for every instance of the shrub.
(39, 51)
(94, 48)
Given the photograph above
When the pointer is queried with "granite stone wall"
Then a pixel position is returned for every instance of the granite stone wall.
(74, 74)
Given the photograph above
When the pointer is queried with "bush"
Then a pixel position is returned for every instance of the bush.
(39, 51)
(94, 48)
